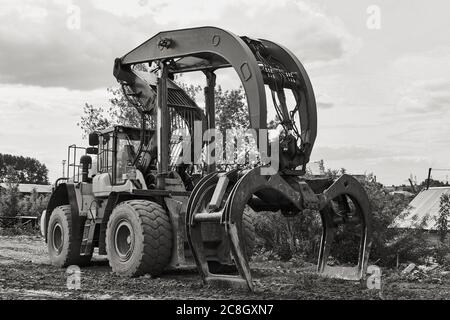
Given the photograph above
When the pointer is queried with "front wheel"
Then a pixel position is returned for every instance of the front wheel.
(139, 238)
(63, 248)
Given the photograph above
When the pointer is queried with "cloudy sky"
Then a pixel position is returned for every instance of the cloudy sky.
(380, 70)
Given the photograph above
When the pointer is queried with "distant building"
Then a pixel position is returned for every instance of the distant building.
(422, 213)
(28, 188)
(402, 192)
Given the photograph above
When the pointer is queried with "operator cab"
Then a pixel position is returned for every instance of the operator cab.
(122, 150)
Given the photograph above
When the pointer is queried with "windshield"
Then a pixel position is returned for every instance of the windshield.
(126, 154)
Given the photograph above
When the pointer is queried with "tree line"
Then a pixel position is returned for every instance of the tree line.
(26, 169)
(15, 170)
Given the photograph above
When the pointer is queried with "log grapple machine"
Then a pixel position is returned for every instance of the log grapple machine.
(148, 212)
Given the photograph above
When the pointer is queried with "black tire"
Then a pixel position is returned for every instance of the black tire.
(139, 238)
(62, 248)
(248, 227)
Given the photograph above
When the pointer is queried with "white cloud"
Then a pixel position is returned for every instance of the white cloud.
(43, 51)
(42, 122)
(425, 81)
(39, 49)
(431, 96)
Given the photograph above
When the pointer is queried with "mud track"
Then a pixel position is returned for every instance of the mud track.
(25, 273)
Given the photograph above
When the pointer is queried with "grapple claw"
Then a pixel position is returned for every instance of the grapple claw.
(342, 213)
(222, 197)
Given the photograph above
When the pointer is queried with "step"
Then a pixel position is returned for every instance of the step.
(208, 217)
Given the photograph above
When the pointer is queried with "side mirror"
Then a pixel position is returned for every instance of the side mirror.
(92, 150)
(93, 139)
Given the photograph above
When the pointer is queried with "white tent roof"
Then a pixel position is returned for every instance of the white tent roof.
(423, 208)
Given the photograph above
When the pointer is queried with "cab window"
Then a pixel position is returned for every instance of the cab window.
(105, 155)
(126, 153)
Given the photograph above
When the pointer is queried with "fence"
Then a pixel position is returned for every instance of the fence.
(9, 222)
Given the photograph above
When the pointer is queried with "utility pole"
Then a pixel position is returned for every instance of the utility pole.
(412, 185)
(429, 178)
(64, 167)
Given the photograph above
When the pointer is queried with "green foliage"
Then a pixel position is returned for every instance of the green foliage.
(119, 112)
(28, 170)
(287, 236)
(444, 214)
(13, 203)
(20, 230)
(93, 119)
(385, 207)
(300, 235)
(442, 253)
(433, 183)
(10, 196)
(231, 106)
(33, 204)
(231, 113)
(231, 110)
(193, 91)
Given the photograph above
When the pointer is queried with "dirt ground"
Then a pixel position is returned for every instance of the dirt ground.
(25, 273)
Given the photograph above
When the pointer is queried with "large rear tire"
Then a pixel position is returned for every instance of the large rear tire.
(139, 238)
(248, 227)
(62, 247)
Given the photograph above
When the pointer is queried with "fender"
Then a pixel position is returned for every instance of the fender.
(64, 194)
(109, 204)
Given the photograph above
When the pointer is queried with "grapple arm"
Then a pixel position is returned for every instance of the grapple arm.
(258, 63)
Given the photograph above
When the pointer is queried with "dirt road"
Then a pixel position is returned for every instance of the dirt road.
(25, 273)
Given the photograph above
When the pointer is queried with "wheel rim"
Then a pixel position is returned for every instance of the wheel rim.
(124, 240)
(58, 238)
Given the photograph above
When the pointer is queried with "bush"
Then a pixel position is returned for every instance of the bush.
(33, 204)
(20, 230)
(13, 203)
(442, 253)
(287, 236)
(385, 208)
(300, 235)
(10, 196)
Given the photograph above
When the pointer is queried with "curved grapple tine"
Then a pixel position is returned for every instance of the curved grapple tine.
(206, 205)
(229, 215)
(245, 188)
(345, 186)
(193, 230)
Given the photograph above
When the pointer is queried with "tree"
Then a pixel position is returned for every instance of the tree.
(28, 170)
(10, 196)
(231, 110)
(119, 112)
(33, 204)
(444, 214)
(433, 183)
